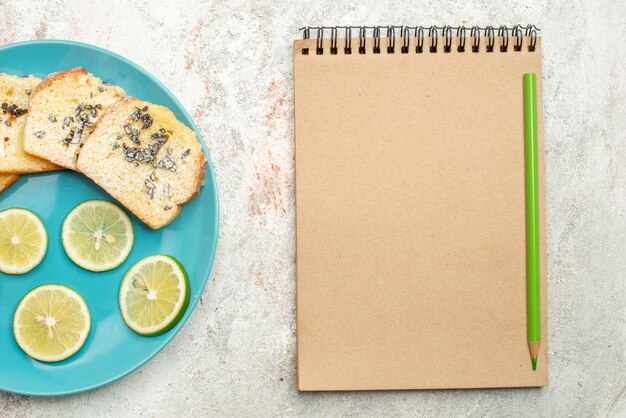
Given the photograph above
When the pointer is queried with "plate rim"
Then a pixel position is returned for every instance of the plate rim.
(211, 178)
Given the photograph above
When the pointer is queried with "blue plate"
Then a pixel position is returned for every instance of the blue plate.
(111, 350)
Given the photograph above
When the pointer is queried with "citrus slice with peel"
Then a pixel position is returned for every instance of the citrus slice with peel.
(97, 235)
(23, 241)
(51, 323)
(154, 295)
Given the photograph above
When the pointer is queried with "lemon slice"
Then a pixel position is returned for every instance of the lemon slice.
(51, 323)
(154, 295)
(23, 241)
(97, 235)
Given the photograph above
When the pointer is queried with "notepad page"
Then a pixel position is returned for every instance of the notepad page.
(411, 268)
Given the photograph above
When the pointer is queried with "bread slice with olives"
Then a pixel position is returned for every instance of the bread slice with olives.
(14, 95)
(146, 159)
(64, 110)
(6, 180)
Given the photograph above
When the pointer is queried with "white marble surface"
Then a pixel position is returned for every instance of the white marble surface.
(230, 64)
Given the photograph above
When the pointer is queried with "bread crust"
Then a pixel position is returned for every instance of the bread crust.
(52, 77)
(121, 103)
(6, 180)
(52, 167)
(200, 164)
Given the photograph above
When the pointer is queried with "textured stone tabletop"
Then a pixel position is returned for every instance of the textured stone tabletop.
(230, 64)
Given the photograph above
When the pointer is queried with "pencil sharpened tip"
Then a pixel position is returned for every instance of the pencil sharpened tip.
(534, 352)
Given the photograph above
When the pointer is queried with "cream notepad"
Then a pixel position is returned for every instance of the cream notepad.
(411, 268)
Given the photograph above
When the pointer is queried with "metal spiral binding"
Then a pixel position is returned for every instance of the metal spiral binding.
(362, 34)
(461, 34)
(503, 32)
(406, 40)
(419, 35)
(376, 37)
(447, 36)
(517, 32)
(319, 50)
(391, 36)
(348, 48)
(333, 41)
(305, 35)
(475, 34)
(434, 38)
(491, 39)
(531, 32)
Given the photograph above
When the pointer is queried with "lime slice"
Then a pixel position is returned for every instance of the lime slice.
(154, 295)
(23, 241)
(97, 235)
(51, 323)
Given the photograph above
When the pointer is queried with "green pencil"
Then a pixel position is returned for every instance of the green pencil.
(532, 215)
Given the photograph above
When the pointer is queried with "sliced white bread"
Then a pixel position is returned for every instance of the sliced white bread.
(64, 110)
(146, 159)
(14, 95)
(6, 180)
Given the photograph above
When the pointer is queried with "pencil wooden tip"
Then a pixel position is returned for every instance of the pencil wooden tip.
(534, 352)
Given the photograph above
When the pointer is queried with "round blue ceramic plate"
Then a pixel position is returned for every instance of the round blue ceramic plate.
(111, 350)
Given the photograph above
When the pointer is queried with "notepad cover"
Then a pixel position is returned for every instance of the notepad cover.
(411, 262)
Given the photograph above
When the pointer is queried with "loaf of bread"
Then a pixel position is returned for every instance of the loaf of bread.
(6, 180)
(146, 159)
(14, 95)
(64, 110)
